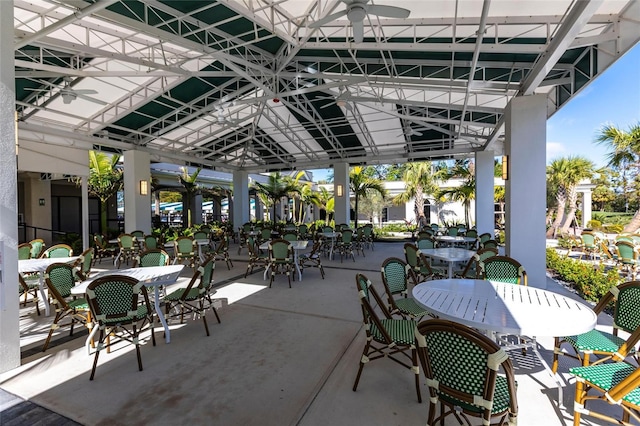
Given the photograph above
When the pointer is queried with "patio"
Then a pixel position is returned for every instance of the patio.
(280, 357)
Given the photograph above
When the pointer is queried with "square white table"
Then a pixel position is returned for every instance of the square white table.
(40, 266)
(450, 255)
(505, 308)
(332, 236)
(152, 276)
(451, 240)
(296, 246)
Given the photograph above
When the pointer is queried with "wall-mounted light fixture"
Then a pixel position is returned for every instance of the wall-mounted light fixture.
(339, 190)
(144, 187)
(505, 167)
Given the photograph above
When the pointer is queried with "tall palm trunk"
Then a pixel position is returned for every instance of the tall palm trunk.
(561, 200)
(573, 207)
(418, 207)
(634, 224)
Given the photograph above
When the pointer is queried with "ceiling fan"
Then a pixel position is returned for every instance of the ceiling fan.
(409, 131)
(342, 99)
(68, 93)
(357, 10)
(223, 120)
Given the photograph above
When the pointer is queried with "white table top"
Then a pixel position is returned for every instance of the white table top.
(296, 245)
(151, 276)
(41, 265)
(451, 254)
(505, 308)
(454, 239)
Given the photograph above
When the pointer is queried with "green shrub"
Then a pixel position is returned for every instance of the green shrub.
(591, 282)
(594, 224)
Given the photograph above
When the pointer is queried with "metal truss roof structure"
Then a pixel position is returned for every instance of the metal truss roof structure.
(254, 85)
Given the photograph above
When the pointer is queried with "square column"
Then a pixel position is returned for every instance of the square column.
(342, 207)
(9, 312)
(137, 207)
(240, 198)
(485, 211)
(525, 190)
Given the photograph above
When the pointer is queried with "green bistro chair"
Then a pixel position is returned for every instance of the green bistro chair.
(153, 257)
(504, 269)
(606, 255)
(369, 235)
(60, 279)
(422, 270)
(607, 346)
(387, 337)
(37, 247)
(256, 258)
(103, 248)
(151, 242)
(128, 249)
(196, 297)
(83, 264)
(461, 366)
(427, 242)
(290, 236)
(280, 259)
(303, 232)
(589, 245)
(59, 250)
(482, 238)
(627, 257)
(185, 250)
(396, 276)
(344, 244)
(472, 268)
(222, 251)
(118, 313)
(312, 259)
(616, 384)
(24, 251)
(29, 287)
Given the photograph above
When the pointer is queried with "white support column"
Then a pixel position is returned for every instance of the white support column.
(137, 207)
(86, 243)
(341, 204)
(240, 198)
(9, 312)
(525, 146)
(485, 211)
(586, 207)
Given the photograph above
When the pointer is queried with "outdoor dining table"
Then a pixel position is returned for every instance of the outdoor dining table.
(26, 266)
(504, 308)
(331, 236)
(451, 240)
(201, 242)
(450, 255)
(152, 276)
(296, 246)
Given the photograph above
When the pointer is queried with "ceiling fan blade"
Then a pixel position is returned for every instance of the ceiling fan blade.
(327, 105)
(358, 32)
(89, 98)
(84, 91)
(388, 11)
(320, 22)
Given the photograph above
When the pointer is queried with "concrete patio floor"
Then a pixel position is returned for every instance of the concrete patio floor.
(280, 356)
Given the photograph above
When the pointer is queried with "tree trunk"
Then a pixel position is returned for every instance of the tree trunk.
(634, 224)
(561, 198)
(356, 208)
(573, 206)
(103, 217)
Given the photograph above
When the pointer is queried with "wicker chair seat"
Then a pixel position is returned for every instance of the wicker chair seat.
(596, 341)
(607, 376)
(401, 331)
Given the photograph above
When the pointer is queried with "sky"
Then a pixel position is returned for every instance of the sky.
(612, 98)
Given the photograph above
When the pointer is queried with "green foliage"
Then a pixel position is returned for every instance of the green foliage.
(75, 241)
(594, 224)
(613, 229)
(591, 282)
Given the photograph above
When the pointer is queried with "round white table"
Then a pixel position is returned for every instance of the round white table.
(503, 308)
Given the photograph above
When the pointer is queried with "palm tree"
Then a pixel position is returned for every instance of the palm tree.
(579, 168)
(625, 154)
(105, 180)
(360, 184)
(463, 193)
(557, 176)
(307, 196)
(419, 181)
(326, 202)
(276, 188)
(188, 181)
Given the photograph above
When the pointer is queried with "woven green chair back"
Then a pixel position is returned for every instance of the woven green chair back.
(200, 235)
(327, 229)
(489, 244)
(85, 261)
(24, 251)
(503, 269)
(486, 253)
(627, 307)
(150, 242)
(126, 241)
(626, 252)
(303, 230)
(452, 231)
(37, 247)
(463, 363)
(347, 236)
(425, 234)
(265, 234)
(59, 250)
(485, 237)
(394, 275)
(246, 227)
(290, 236)
(60, 276)
(426, 243)
(368, 230)
(279, 250)
(184, 246)
(138, 234)
(206, 274)
(99, 240)
(411, 255)
(472, 233)
(588, 240)
(113, 297)
(636, 239)
(155, 257)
